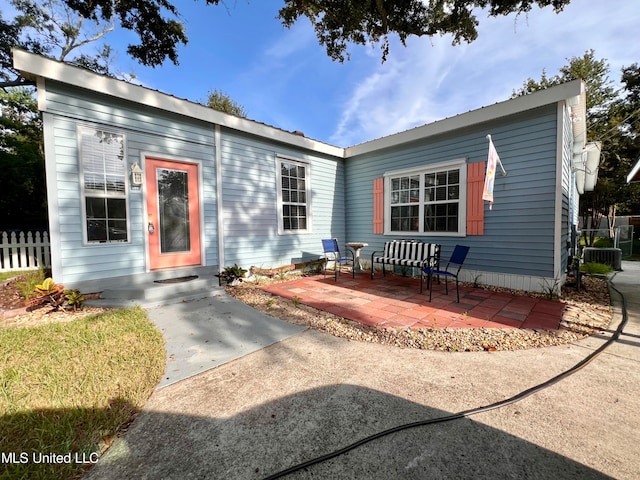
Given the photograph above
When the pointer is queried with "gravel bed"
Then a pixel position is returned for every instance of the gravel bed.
(588, 312)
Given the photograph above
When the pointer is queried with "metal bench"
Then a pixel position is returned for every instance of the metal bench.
(407, 253)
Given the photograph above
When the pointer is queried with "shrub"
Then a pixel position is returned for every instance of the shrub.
(231, 274)
(593, 268)
(29, 282)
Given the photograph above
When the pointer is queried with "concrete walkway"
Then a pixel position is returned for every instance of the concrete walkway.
(204, 333)
(311, 394)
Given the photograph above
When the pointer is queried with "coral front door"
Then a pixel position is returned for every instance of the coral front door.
(173, 213)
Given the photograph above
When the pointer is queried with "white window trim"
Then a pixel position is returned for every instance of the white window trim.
(83, 193)
(461, 164)
(283, 158)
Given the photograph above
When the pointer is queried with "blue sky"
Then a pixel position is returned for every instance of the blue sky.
(284, 78)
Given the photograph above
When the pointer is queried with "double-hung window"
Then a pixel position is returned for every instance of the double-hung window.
(427, 201)
(294, 201)
(104, 185)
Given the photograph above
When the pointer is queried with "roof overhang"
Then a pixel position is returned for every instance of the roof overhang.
(571, 92)
(36, 67)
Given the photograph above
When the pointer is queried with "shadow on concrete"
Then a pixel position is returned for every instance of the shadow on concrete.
(205, 333)
(278, 434)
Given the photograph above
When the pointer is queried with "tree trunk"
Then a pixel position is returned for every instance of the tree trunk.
(611, 221)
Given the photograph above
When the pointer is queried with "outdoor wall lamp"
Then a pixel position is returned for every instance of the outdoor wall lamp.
(136, 174)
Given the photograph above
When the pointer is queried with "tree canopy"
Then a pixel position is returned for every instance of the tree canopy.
(219, 100)
(159, 29)
(23, 198)
(372, 21)
(613, 118)
(51, 28)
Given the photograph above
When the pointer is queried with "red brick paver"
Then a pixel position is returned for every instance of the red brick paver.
(395, 301)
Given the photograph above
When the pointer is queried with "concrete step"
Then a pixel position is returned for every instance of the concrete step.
(153, 289)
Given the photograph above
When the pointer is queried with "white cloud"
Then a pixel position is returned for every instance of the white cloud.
(431, 80)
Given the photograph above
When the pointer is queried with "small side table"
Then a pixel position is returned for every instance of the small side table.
(357, 246)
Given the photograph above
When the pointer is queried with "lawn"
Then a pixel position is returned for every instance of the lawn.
(66, 389)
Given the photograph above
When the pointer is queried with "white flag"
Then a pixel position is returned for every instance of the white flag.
(489, 179)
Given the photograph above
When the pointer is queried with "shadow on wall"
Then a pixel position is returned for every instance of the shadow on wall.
(271, 437)
(250, 196)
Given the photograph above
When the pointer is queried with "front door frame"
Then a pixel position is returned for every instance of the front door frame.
(145, 224)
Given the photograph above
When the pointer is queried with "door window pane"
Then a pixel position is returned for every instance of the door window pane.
(173, 205)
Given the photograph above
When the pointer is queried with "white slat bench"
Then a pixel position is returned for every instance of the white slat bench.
(407, 253)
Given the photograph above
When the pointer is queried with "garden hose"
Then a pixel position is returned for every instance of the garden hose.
(467, 413)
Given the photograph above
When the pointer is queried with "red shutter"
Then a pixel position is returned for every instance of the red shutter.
(475, 204)
(378, 205)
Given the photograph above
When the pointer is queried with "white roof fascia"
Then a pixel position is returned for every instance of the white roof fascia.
(512, 106)
(37, 67)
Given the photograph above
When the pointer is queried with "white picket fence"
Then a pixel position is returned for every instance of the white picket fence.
(22, 251)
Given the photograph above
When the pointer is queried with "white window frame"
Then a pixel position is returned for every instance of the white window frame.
(461, 165)
(280, 159)
(85, 193)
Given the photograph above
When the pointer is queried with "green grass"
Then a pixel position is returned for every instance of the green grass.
(7, 275)
(68, 388)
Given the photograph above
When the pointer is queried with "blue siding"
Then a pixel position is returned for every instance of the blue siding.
(146, 130)
(519, 232)
(250, 203)
(523, 234)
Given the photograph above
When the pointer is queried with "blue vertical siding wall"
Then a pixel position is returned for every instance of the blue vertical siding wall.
(146, 130)
(519, 232)
(249, 192)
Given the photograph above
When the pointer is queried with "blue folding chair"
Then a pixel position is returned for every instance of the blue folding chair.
(451, 270)
(332, 254)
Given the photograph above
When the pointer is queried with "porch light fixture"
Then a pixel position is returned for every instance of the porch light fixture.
(136, 174)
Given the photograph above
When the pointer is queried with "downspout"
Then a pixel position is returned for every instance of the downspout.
(219, 202)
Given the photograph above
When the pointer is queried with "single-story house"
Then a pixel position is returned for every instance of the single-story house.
(140, 182)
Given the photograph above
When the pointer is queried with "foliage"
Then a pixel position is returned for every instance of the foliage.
(603, 243)
(73, 386)
(551, 288)
(612, 118)
(160, 30)
(52, 28)
(28, 283)
(220, 101)
(372, 21)
(74, 299)
(47, 293)
(595, 268)
(22, 183)
(47, 287)
(230, 274)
